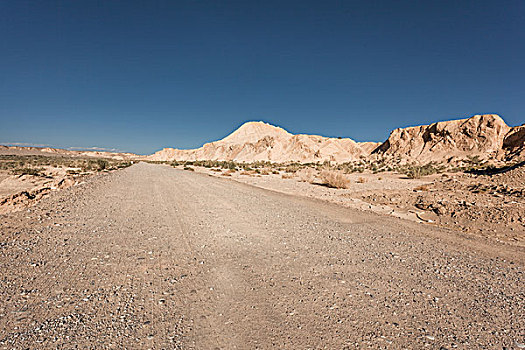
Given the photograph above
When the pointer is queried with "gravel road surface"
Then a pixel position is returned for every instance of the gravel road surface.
(152, 257)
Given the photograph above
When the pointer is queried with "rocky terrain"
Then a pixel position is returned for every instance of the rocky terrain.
(258, 141)
(483, 136)
(486, 137)
(488, 205)
(266, 239)
(151, 257)
(479, 204)
(443, 174)
(26, 179)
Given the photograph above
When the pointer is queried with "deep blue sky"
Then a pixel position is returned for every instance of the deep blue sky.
(142, 75)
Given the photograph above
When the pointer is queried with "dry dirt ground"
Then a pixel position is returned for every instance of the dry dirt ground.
(25, 179)
(20, 191)
(160, 258)
(490, 206)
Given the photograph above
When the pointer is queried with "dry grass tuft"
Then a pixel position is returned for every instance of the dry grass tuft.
(334, 179)
(361, 180)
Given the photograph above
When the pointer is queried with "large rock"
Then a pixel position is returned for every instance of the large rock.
(480, 135)
(514, 144)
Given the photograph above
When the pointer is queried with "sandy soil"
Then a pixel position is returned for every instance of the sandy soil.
(18, 192)
(26, 179)
(481, 205)
(160, 258)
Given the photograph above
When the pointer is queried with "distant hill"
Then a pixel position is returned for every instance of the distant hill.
(485, 136)
(259, 141)
(48, 151)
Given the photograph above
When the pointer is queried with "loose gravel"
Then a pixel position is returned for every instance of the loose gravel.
(155, 257)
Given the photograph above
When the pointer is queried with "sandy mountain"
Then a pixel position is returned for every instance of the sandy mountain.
(259, 141)
(480, 135)
(486, 136)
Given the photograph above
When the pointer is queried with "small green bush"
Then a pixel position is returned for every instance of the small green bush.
(418, 171)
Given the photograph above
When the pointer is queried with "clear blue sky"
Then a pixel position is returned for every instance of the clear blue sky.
(142, 75)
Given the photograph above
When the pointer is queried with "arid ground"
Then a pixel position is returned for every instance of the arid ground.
(156, 257)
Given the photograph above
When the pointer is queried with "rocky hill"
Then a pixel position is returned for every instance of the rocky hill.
(514, 143)
(486, 137)
(258, 141)
(483, 136)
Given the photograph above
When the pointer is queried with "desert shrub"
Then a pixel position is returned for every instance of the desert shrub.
(292, 168)
(189, 168)
(95, 164)
(361, 180)
(286, 176)
(334, 179)
(28, 171)
(418, 171)
(101, 164)
(347, 168)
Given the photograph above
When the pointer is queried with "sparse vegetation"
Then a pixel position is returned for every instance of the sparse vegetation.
(35, 165)
(28, 171)
(413, 171)
(334, 179)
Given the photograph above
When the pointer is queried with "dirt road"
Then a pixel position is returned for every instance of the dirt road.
(154, 257)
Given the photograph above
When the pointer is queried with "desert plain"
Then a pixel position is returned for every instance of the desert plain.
(265, 239)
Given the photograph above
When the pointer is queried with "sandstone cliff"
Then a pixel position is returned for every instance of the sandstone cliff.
(481, 135)
(514, 144)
